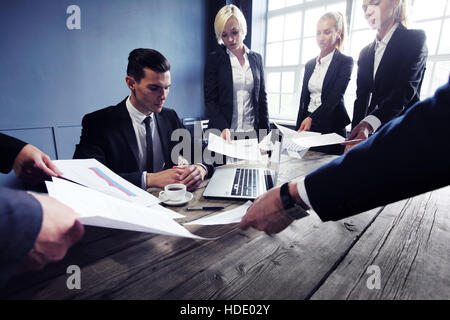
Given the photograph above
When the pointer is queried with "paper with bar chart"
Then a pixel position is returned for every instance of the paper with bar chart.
(99, 209)
(93, 174)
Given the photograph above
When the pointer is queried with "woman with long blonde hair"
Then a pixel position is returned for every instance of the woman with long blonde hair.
(326, 78)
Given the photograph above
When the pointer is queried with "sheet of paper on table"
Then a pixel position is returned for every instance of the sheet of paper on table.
(290, 134)
(290, 148)
(321, 140)
(93, 174)
(246, 149)
(101, 210)
(231, 216)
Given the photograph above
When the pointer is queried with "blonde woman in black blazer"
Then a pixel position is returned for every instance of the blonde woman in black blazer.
(233, 59)
(388, 81)
(326, 78)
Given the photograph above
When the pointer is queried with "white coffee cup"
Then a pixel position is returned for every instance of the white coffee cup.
(173, 192)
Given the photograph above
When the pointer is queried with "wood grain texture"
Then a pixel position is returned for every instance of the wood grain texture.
(410, 243)
(408, 240)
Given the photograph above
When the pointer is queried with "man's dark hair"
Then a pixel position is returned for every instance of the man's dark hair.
(146, 58)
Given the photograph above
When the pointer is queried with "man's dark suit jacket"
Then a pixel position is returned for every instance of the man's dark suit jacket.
(331, 116)
(20, 215)
(218, 89)
(10, 148)
(108, 136)
(398, 79)
(393, 164)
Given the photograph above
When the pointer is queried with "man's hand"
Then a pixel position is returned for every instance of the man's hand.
(33, 166)
(192, 176)
(361, 132)
(306, 124)
(59, 231)
(226, 135)
(163, 178)
(266, 214)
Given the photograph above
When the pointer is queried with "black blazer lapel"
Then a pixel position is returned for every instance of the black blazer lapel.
(227, 76)
(390, 54)
(126, 127)
(255, 69)
(370, 63)
(164, 136)
(309, 69)
(256, 81)
(330, 75)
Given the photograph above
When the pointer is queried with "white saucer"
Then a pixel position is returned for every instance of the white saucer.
(187, 197)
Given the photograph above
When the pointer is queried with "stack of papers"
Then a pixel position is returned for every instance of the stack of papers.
(104, 199)
(296, 144)
(291, 148)
(101, 210)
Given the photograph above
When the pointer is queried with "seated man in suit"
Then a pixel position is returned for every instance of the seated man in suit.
(390, 166)
(34, 229)
(133, 138)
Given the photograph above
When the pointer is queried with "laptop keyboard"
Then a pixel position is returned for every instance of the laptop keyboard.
(246, 182)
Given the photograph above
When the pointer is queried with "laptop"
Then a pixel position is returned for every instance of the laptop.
(245, 183)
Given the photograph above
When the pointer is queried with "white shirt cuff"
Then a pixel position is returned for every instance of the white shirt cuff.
(374, 122)
(206, 169)
(144, 180)
(301, 188)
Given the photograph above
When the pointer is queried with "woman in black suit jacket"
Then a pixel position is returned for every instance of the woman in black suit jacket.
(326, 78)
(388, 81)
(233, 59)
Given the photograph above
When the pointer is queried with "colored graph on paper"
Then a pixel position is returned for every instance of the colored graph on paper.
(111, 182)
(93, 174)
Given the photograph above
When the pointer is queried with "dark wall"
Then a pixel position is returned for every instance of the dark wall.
(52, 76)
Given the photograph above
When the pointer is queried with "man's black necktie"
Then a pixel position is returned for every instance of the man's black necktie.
(148, 137)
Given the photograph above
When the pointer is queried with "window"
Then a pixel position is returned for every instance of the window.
(290, 43)
(435, 21)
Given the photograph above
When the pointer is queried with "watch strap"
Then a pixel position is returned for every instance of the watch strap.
(290, 207)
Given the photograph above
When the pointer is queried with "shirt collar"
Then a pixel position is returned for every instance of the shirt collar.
(325, 59)
(247, 51)
(135, 114)
(387, 36)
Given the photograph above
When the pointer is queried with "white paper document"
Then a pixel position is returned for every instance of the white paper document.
(291, 148)
(232, 216)
(290, 134)
(266, 142)
(101, 210)
(93, 174)
(246, 149)
(321, 140)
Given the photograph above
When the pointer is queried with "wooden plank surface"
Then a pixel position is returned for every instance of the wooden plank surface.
(410, 243)
(288, 265)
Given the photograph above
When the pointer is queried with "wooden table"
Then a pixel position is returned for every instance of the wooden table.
(409, 243)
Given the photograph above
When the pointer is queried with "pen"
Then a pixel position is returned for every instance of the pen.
(204, 208)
